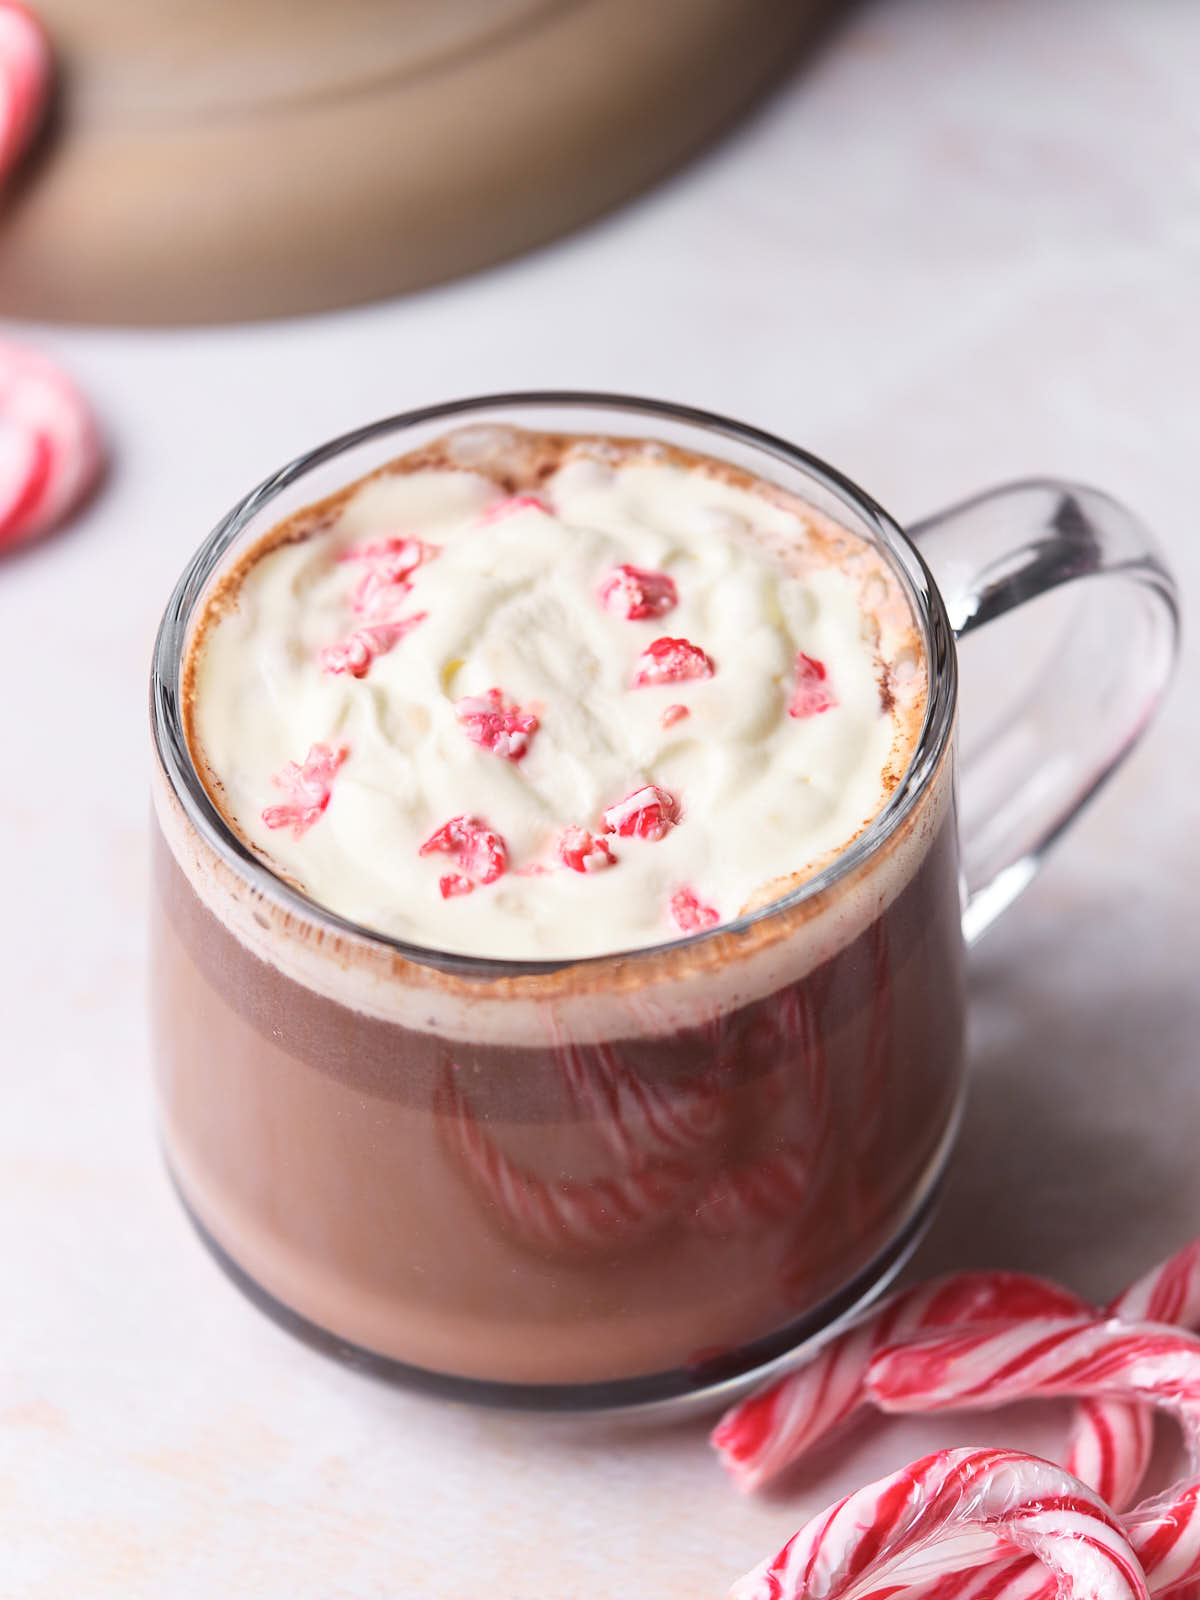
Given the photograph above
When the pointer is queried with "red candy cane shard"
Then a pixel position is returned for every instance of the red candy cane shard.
(25, 72)
(812, 693)
(689, 913)
(50, 454)
(647, 813)
(671, 661)
(674, 714)
(583, 851)
(772, 1428)
(512, 506)
(392, 560)
(354, 654)
(634, 592)
(503, 730)
(479, 852)
(945, 1514)
(308, 786)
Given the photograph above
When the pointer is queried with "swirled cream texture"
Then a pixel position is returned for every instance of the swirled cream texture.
(341, 688)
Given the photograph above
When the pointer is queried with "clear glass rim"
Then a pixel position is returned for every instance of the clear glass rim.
(166, 706)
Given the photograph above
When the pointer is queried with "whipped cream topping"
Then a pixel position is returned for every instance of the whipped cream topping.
(594, 716)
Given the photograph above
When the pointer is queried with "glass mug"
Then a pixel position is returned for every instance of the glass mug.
(631, 1177)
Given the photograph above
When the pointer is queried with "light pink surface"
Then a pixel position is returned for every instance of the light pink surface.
(961, 247)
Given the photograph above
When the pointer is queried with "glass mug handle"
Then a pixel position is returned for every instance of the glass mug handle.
(1036, 750)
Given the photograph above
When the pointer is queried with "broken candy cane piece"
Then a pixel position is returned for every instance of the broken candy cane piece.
(812, 693)
(479, 852)
(635, 592)
(671, 661)
(308, 786)
(355, 653)
(512, 506)
(1042, 1358)
(392, 560)
(674, 714)
(50, 454)
(25, 71)
(647, 813)
(1111, 1440)
(501, 729)
(689, 913)
(583, 851)
(949, 1512)
(772, 1428)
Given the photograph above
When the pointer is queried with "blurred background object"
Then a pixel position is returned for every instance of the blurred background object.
(229, 159)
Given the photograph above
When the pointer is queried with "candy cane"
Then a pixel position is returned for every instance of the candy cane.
(1170, 1293)
(636, 1118)
(25, 70)
(564, 1215)
(50, 453)
(772, 1428)
(945, 1514)
(1043, 1357)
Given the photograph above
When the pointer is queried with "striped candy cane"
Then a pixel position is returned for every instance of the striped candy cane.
(945, 1514)
(774, 1427)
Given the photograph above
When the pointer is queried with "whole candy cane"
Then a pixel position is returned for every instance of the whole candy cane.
(945, 1514)
(767, 1431)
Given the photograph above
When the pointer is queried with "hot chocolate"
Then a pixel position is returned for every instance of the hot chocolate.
(588, 1027)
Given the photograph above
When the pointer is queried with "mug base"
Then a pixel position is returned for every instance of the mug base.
(717, 1380)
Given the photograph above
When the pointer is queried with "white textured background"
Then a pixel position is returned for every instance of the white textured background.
(963, 244)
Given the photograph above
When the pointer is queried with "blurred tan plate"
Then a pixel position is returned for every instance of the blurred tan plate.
(217, 159)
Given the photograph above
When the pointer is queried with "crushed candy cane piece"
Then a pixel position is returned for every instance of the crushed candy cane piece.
(812, 693)
(671, 661)
(308, 786)
(674, 714)
(392, 560)
(504, 730)
(479, 851)
(635, 592)
(689, 913)
(583, 851)
(512, 506)
(647, 813)
(355, 653)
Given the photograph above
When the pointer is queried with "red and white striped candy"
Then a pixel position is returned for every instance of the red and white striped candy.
(639, 1120)
(25, 71)
(1170, 1293)
(563, 1216)
(1164, 1534)
(766, 1432)
(1150, 1362)
(945, 1514)
(50, 453)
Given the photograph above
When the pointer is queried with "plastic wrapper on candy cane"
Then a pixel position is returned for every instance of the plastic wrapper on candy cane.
(557, 1216)
(945, 1514)
(774, 1427)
